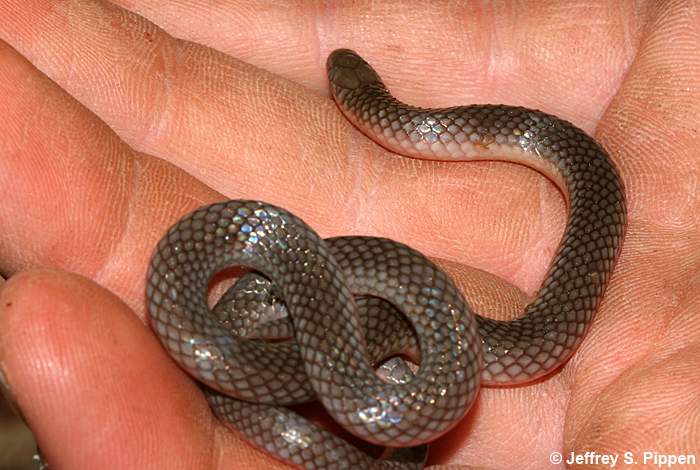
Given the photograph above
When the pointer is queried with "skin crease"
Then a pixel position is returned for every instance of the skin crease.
(136, 128)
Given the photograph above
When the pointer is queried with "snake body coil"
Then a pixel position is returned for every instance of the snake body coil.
(331, 291)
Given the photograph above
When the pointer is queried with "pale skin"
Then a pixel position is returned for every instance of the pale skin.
(136, 128)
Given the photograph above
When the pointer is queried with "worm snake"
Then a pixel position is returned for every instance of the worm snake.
(338, 308)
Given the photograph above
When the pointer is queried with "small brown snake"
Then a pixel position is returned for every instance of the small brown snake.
(330, 291)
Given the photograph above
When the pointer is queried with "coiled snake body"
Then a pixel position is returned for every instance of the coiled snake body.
(332, 288)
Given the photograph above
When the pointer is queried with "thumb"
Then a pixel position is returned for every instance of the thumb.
(95, 386)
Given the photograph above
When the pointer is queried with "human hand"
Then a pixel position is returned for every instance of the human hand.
(190, 125)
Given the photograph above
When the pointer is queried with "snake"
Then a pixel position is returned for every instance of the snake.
(332, 320)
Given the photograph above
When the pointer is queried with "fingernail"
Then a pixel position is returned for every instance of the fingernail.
(42, 464)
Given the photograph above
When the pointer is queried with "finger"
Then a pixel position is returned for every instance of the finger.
(74, 196)
(96, 387)
(307, 159)
(464, 39)
(445, 55)
(221, 120)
